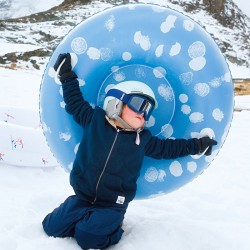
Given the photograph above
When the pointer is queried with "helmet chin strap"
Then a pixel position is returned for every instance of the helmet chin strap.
(122, 122)
(127, 126)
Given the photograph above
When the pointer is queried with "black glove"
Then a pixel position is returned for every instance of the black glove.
(65, 73)
(204, 143)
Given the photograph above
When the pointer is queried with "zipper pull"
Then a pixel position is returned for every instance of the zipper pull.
(137, 141)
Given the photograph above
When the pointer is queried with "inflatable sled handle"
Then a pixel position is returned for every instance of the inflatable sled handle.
(58, 69)
(207, 149)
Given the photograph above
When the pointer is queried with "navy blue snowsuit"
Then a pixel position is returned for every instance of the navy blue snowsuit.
(104, 174)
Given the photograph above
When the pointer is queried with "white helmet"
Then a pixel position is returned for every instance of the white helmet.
(118, 94)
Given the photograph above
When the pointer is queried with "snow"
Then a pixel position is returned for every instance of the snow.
(211, 212)
(19, 8)
(16, 82)
(239, 72)
(13, 47)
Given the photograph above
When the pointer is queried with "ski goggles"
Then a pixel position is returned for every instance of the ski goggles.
(138, 103)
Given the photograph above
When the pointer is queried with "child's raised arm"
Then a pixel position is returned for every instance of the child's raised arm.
(75, 103)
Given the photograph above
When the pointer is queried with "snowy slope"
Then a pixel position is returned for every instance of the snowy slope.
(45, 35)
(19, 8)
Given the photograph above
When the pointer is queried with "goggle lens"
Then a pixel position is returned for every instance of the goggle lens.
(141, 104)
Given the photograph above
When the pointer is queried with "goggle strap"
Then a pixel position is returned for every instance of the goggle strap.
(119, 95)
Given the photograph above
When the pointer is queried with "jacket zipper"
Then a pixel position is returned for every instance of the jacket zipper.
(105, 165)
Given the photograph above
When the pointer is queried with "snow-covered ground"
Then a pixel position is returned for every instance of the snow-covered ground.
(210, 213)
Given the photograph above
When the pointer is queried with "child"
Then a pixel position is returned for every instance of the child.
(109, 159)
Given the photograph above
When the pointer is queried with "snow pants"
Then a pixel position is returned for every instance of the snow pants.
(91, 226)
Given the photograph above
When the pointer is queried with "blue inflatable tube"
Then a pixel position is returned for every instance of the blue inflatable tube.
(164, 49)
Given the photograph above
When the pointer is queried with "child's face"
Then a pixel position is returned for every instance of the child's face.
(134, 119)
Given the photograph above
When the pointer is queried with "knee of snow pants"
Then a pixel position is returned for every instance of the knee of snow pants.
(86, 240)
(61, 222)
(100, 229)
(92, 227)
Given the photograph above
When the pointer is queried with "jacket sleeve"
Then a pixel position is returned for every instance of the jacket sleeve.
(171, 148)
(75, 104)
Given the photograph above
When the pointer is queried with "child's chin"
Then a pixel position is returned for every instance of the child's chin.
(137, 125)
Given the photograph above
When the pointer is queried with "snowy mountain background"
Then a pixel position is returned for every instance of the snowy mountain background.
(210, 213)
(16, 8)
(43, 31)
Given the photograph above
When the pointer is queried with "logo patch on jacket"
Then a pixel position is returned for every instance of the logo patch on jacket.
(120, 200)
